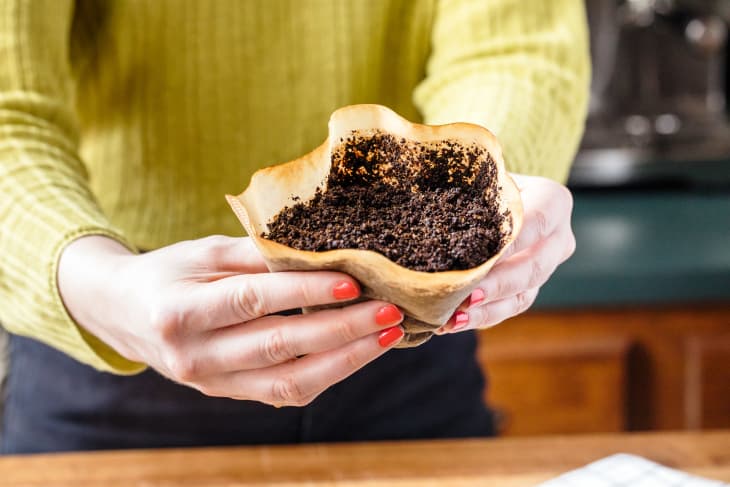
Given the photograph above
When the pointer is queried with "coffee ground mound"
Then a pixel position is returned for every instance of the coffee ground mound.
(426, 206)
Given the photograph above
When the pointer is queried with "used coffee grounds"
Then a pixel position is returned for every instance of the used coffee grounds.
(427, 206)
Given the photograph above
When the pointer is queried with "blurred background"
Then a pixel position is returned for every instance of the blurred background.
(633, 333)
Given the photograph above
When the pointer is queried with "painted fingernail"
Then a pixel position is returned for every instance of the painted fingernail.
(390, 336)
(477, 297)
(388, 315)
(461, 320)
(346, 290)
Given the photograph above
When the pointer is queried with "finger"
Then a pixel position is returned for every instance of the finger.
(547, 206)
(220, 253)
(273, 340)
(242, 298)
(295, 383)
(491, 313)
(528, 269)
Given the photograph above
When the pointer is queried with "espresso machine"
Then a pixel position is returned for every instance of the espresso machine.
(658, 113)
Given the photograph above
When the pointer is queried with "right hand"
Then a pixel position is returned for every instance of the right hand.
(200, 312)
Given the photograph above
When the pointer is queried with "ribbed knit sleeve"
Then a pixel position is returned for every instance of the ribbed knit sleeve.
(520, 69)
(45, 202)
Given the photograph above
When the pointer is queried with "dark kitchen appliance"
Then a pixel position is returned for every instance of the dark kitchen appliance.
(658, 97)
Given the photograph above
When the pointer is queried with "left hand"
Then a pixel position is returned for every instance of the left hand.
(545, 241)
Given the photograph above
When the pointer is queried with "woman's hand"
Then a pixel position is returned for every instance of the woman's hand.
(200, 312)
(545, 241)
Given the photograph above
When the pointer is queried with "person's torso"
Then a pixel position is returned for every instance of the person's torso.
(180, 101)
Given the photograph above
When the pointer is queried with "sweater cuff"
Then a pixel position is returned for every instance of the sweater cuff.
(81, 344)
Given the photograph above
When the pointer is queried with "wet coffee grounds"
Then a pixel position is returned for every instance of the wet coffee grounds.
(426, 206)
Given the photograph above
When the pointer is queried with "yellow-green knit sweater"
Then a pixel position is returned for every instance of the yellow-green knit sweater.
(132, 118)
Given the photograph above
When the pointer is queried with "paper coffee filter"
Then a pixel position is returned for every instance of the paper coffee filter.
(428, 299)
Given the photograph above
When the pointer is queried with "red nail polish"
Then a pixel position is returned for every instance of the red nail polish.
(346, 290)
(476, 297)
(388, 315)
(461, 319)
(390, 336)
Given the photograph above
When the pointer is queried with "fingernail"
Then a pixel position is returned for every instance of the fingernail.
(461, 319)
(388, 315)
(346, 290)
(390, 336)
(476, 297)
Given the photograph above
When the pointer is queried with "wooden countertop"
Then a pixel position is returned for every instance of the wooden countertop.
(508, 462)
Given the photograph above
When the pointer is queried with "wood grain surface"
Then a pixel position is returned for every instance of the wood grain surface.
(508, 462)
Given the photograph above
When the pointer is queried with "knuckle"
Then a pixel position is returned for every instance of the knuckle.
(542, 223)
(286, 391)
(537, 273)
(503, 287)
(479, 316)
(307, 293)
(181, 368)
(167, 323)
(353, 361)
(211, 247)
(491, 287)
(523, 301)
(346, 330)
(566, 198)
(570, 250)
(277, 348)
(216, 240)
(248, 303)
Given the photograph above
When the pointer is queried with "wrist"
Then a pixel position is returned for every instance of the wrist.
(89, 272)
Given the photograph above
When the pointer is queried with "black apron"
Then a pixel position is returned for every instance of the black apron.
(54, 403)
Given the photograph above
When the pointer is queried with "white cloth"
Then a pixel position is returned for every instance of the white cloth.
(623, 470)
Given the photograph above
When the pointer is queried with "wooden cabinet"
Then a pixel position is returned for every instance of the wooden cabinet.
(610, 370)
(707, 381)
